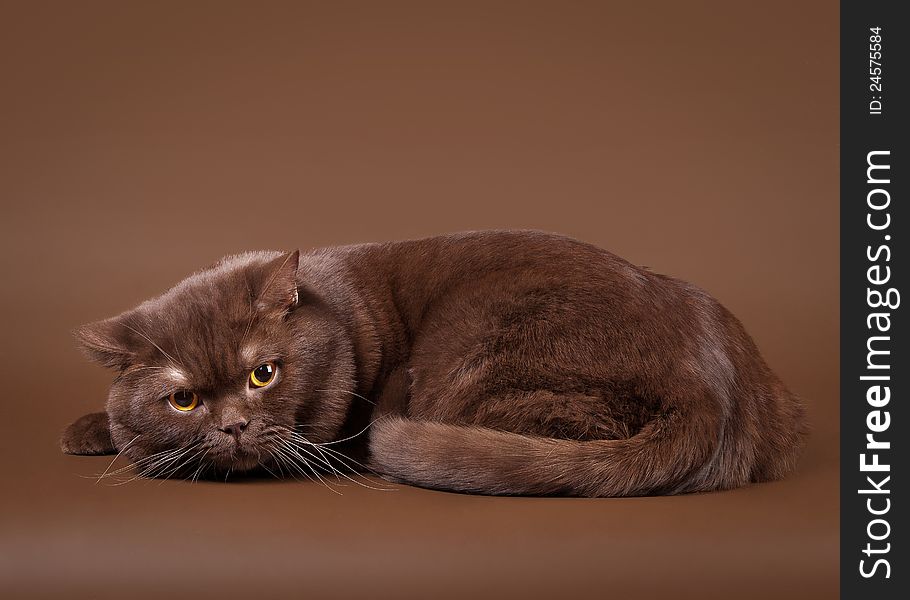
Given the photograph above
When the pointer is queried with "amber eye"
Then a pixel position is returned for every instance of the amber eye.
(184, 400)
(262, 375)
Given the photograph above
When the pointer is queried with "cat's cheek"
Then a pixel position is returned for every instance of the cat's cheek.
(125, 436)
(245, 463)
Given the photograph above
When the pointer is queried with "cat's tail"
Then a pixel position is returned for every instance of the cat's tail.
(671, 454)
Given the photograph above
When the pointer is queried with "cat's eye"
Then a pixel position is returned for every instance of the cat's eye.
(262, 375)
(184, 400)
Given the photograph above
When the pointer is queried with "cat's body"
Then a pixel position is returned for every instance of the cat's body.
(495, 362)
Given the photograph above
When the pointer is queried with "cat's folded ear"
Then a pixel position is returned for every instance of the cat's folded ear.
(89, 435)
(107, 342)
(279, 289)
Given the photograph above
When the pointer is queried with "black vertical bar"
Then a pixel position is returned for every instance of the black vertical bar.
(875, 372)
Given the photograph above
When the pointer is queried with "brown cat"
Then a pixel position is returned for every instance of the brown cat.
(497, 363)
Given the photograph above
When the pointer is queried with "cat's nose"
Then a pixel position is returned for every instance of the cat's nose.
(235, 429)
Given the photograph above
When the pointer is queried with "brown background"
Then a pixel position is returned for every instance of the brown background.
(140, 141)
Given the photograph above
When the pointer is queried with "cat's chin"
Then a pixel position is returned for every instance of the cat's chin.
(241, 464)
(239, 461)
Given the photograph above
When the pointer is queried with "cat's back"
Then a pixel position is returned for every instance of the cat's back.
(529, 255)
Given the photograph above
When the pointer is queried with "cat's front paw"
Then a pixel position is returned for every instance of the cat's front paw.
(90, 435)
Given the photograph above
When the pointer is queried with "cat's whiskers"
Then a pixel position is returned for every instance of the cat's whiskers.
(177, 350)
(356, 470)
(324, 446)
(288, 449)
(159, 467)
(319, 460)
(322, 458)
(283, 460)
(299, 440)
(201, 467)
(152, 342)
(145, 466)
(355, 394)
(292, 458)
(182, 463)
(289, 441)
(351, 437)
(111, 464)
(263, 465)
(301, 444)
(154, 468)
(340, 456)
(252, 315)
(342, 460)
(141, 463)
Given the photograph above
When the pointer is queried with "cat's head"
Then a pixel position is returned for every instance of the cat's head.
(224, 370)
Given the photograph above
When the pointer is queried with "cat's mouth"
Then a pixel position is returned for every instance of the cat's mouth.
(244, 461)
(240, 457)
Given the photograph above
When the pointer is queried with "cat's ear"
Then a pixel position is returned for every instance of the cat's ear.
(90, 435)
(107, 342)
(279, 288)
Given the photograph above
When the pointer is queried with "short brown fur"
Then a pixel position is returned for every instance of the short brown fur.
(492, 362)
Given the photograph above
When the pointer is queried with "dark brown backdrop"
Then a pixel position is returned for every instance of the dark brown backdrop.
(140, 141)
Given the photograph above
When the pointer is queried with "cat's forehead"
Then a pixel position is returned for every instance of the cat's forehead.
(236, 276)
(173, 376)
(250, 353)
(201, 366)
(199, 345)
(210, 305)
(203, 299)
(212, 325)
